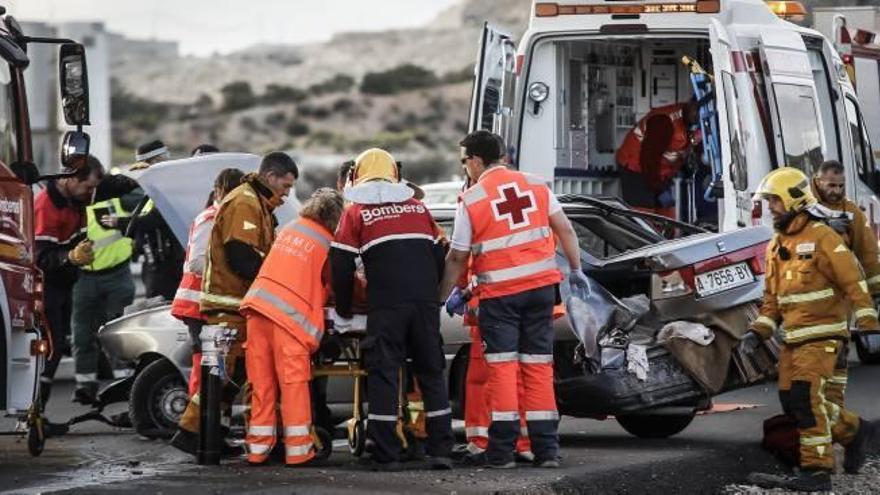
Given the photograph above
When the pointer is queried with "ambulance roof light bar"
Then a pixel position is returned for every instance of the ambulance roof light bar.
(552, 9)
(788, 10)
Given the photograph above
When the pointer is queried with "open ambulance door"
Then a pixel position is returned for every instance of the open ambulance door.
(863, 173)
(494, 84)
(733, 210)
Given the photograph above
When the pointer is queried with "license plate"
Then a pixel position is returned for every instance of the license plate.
(723, 279)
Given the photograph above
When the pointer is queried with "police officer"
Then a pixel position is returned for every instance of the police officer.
(399, 243)
(812, 282)
(104, 288)
(506, 222)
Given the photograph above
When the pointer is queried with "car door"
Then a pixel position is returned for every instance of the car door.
(494, 84)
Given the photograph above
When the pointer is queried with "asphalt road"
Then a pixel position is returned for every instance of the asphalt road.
(715, 452)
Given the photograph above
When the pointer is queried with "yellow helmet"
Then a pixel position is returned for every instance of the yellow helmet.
(791, 186)
(375, 164)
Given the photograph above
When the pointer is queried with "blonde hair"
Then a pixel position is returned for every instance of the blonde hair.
(325, 207)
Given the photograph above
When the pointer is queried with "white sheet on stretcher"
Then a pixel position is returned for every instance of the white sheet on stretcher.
(357, 323)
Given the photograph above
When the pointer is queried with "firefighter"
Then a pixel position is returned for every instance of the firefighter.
(243, 232)
(104, 288)
(163, 255)
(398, 242)
(507, 222)
(285, 318)
(186, 301)
(652, 153)
(61, 248)
(811, 284)
(829, 185)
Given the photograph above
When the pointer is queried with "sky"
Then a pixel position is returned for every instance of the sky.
(204, 27)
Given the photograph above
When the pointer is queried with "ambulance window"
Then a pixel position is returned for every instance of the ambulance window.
(738, 166)
(861, 146)
(8, 137)
(801, 137)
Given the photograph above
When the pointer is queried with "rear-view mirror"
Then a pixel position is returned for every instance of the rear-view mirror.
(75, 150)
(74, 84)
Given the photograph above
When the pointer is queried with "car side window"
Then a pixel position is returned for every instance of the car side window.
(864, 157)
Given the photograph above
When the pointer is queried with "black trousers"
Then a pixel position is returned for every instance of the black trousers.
(58, 304)
(394, 333)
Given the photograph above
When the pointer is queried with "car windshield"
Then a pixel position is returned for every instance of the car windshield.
(603, 236)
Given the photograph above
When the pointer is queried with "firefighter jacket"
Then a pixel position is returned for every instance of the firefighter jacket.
(290, 288)
(112, 249)
(400, 246)
(811, 281)
(244, 218)
(512, 245)
(860, 238)
(629, 154)
(189, 294)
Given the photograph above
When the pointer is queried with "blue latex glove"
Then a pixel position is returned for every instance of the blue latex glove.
(456, 303)
(579, 280)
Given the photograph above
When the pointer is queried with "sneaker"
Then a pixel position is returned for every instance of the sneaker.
(463, 450)
(475, 459)
(803, 481)
(551, 463)
(857, 450)
(525, 456)
(185, 441)
(501, 464)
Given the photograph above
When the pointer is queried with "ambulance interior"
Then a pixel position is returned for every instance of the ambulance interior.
(605, 87)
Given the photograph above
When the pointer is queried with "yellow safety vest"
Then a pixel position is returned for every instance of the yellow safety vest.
(110, 246)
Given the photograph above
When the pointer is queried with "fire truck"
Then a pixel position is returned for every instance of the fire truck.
(24, 343)
(771, 94)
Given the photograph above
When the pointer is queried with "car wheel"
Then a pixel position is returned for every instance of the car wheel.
(158, 399)
(655, 425)
(864, 356)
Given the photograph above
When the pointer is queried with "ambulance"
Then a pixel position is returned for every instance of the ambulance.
(586, 71)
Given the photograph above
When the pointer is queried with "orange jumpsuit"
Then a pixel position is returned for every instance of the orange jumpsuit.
(285, 318)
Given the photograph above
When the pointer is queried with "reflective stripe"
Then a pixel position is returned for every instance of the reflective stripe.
(222, 300)
(477, 431)
(299, 318)
(382, 417)
(442, 412)
(501, 357)
(396, 237)
(106, 241)
(258, 448)
(839, 379)
(535, 180)
(542, 415)
(188, 295)
(813, 331)
(511, 240)
(297, 450)
(345, 247)
(874, 280)
(536, 358)
(806, 296)
(813, 441)
(862, 313)
(515, 272)
(864, 286)
(297, 431)
(505, 416)
(261, 431)
(314, 234)
(474, 194)
(763, 320)
(86, 377)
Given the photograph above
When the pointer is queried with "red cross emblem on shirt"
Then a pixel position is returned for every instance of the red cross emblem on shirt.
(514, 205)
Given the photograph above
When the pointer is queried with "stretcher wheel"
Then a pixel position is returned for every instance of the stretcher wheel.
(36, 439)
(326, 441)
(357, 437)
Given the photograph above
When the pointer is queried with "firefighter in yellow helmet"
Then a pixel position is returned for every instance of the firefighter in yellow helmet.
(812, 281)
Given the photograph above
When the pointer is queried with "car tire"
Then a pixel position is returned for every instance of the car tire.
(655, 425)
(158, 399)
(864, 356)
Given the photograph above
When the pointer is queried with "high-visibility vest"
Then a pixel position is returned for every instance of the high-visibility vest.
(512, 245)
(189, 293)
(110, 246)
(289, 288)
(629, 154)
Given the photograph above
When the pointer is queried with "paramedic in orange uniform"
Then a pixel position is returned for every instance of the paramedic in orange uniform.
(652, 153)
(506, 224)
(285, 318)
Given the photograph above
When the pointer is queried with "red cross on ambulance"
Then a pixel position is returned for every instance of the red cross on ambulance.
(514, 205)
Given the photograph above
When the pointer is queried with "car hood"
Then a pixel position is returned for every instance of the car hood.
(677, 253)
(179, 188)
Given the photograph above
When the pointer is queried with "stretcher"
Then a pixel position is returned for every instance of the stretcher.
(341, 355)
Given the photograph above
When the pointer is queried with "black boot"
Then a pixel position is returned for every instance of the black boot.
(803, 481)
(857, 450)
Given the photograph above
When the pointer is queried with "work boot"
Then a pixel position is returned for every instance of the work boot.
(526, 457)
(474, 459)
(549, 463)
(185, 441)
(439, 463)
(86, 393)
(501, 464)
(857, 450)
(802, 481)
